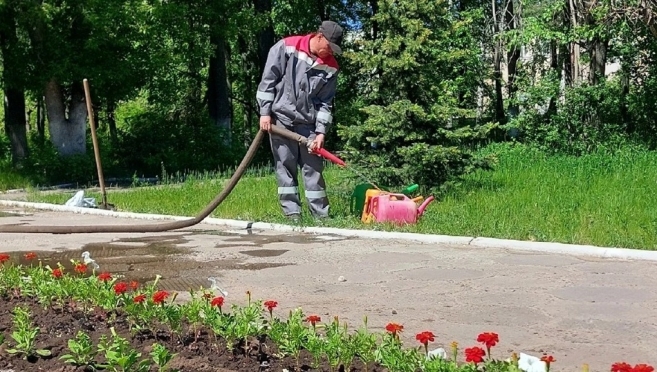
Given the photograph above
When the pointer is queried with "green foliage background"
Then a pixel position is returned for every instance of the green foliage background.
(417, 95)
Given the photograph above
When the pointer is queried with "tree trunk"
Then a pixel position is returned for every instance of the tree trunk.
(598, 60)
(218, 87)
(266, 37)
(41, 119)
(497, 63)
(554, 65)
(574, 47)
(15, 124)
(566, 60)
(512, 56)
(67, 134)
(111, 121)
(28, 115)
(14, 92)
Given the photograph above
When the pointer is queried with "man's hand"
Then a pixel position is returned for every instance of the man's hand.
(318, 143)
(265, 123)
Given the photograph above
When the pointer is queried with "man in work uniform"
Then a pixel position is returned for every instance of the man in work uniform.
(296, 92)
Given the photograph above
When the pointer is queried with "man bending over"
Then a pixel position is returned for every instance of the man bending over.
(296, 92)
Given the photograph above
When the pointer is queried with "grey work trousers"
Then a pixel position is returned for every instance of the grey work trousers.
(288, 155)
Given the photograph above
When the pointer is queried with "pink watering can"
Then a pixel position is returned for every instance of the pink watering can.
(397, 208)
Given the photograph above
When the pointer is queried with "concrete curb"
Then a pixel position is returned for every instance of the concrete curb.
(480, 242)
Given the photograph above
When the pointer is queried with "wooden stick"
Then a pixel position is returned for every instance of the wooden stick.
(92, 123)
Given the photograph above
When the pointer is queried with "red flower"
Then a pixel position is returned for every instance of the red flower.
(548, 359)
(4, 257)
(134, 285)
(474, 354)
(217, 301)
(643, 368)
(313, 319)
(160, 296)
(139, 298)
(120, 288)
(425, 337)
(621, 367)
(270, 305)
(489, 339)
(625, 367)
(105, 276)
(81, 268)
(30, 256)
(57, 273)
(394, 328)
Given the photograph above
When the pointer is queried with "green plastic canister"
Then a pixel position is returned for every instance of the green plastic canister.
(358, 198)
(410, 189)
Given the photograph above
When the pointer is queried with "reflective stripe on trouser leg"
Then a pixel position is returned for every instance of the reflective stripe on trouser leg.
(312, 167)
(285, 158)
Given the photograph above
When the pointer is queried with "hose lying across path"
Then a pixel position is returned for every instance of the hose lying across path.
(159, 227)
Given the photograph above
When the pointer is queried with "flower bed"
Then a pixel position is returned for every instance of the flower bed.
(72, 319)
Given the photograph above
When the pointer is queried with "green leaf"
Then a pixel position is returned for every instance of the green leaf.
(43, 352)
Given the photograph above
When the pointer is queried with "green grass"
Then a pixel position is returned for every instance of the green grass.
(10, 179)
(601, 199)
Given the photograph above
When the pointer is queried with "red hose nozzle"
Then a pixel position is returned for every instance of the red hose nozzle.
(332, 158)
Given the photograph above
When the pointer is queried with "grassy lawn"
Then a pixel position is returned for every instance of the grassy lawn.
(10, 179)
(598, 199)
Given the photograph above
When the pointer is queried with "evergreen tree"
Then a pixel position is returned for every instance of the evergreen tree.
(419, 76)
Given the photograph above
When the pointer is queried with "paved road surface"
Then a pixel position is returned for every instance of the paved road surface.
(581, 310)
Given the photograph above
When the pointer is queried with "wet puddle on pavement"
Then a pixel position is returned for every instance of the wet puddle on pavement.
(234, 239)
(264, 252)
(142, 259)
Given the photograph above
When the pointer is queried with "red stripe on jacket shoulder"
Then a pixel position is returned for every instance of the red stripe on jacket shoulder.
(302, 44)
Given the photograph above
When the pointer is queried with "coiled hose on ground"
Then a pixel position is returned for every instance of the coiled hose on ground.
(167, 226)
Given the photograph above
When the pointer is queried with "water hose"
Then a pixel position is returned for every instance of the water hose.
(167, 226)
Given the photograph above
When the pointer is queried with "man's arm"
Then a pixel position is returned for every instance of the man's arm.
(271, 75)
(325, 114)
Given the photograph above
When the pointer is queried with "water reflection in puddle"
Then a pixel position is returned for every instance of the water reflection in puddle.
(142, 259)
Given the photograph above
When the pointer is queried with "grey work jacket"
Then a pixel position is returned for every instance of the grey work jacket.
(297, 88)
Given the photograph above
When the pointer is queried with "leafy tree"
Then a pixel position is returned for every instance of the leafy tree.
(418, 78)
(70, 41)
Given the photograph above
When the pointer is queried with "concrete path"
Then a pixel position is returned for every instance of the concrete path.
(580, 310)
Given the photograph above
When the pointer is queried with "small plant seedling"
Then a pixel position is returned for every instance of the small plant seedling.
(24, 335)
(82, 350)
(120, 356)
(161, 356)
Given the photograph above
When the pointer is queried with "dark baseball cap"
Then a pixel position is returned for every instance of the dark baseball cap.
(333, 33)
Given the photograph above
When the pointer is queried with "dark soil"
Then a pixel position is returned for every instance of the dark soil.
(58, 325)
